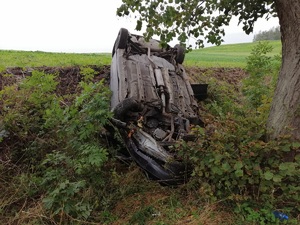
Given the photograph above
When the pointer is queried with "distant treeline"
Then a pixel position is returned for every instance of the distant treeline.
(272, 34)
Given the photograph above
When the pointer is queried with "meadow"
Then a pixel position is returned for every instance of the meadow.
(233, 55)
(37, 59)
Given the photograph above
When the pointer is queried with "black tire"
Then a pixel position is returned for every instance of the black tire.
(180, 54)
(125, 106)
(121, 41)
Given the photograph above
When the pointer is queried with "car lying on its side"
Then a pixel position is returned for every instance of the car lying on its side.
(154, 104)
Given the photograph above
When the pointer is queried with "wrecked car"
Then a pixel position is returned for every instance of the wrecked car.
(154, 104)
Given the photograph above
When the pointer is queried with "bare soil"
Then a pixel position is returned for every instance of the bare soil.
(229, 75)
(69, 77)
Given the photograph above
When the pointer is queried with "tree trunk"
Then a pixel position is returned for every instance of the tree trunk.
(284, 117)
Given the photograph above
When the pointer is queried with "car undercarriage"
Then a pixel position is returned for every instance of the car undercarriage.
(154, 104)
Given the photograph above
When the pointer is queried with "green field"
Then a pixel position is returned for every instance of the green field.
(37, 59)
(233, 55)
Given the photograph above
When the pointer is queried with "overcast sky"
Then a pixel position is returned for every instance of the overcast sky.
(82, 26)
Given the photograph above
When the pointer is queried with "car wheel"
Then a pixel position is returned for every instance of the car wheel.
(180, 53)
(125, 106)
(121, 41)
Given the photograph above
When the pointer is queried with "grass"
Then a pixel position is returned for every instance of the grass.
(232, 55)
(37, 59)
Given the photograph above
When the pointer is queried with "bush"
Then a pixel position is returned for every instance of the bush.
(232, 161)
(24, 106)
(263, 71)
(59, 139)
(77, 167)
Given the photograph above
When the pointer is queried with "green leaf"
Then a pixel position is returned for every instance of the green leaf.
(287, 166)
(238, 165)
(239, 173)
(268, 175)
(216, 170)
(277, 178)
(296, 145)
(297, 158)
(286, 148)
(226, 167)
(48, 202)
(139, 25)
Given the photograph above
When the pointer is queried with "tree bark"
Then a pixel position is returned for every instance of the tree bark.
(284, 117)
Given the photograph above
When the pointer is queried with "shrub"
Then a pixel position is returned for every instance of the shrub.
(61, 143)
(75, 168)
(263, 72)
(24, 105)
(232, 161)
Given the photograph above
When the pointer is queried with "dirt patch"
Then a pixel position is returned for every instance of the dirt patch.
(68, 77)
(229, 75)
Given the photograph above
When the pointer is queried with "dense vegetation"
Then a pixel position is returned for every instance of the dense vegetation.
(58, 165)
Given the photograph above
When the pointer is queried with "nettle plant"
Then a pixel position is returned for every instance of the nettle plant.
(59, 139)
(233, 162)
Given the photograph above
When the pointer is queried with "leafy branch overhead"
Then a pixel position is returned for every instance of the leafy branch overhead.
(204, 19)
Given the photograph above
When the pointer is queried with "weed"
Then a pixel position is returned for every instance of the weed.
(88, 73)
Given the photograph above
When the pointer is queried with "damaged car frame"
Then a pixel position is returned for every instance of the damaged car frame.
(154, 104)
